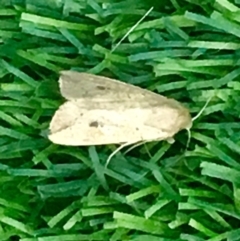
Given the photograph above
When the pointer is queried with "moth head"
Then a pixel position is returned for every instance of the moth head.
(185, 121)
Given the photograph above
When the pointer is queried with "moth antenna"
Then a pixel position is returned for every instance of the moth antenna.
(116, 151)
(194, 118)
(201, 111)
(139, 144)
(134, 146)
(131, 29)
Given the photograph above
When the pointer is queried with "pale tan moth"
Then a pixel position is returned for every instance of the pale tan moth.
(101, 111)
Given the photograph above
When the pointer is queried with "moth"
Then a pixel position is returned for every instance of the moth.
(101, 111)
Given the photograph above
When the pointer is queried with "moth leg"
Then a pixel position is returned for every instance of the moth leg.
(189, 138)
(117, 150)
(170, 140)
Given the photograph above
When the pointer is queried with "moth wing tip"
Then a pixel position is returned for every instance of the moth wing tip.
(58, 139)
(63, 72)
(52, 138)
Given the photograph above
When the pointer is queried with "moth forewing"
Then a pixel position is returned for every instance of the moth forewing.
(100, 111)
(74, 85)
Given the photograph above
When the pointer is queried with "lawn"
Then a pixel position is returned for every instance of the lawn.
(183, 49)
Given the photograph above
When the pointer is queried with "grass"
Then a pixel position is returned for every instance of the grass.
(188, 50)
